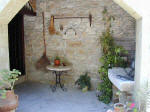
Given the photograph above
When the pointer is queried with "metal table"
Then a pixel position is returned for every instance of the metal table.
(58, 71)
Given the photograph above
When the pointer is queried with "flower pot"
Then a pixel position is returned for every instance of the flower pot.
(57, 62)
(129, 110)
(119, 107)
(10, 103)
(10, 94)
(85, 89)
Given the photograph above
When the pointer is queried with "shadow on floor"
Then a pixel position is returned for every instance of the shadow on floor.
(36, 97)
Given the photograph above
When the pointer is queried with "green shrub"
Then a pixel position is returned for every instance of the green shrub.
(112, 57)
(9, 78)
(57, 58)
(84, 81)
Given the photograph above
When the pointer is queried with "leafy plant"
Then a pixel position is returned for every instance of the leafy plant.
(8, 78)
(57, 58)
(84, 81)
(131, 106)
(112, 57)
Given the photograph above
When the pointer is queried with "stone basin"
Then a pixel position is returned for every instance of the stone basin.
(123, 84)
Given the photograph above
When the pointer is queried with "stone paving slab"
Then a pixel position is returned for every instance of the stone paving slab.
(36, 97)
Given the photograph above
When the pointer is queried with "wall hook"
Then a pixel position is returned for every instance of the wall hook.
(70, 29)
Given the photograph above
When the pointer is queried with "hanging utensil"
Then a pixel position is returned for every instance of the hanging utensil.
(43, 61)
(51, 27)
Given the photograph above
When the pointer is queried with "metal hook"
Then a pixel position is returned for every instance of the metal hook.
(70, 29)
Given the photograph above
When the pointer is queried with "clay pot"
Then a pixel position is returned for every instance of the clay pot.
(10, 103)
(57, 62)
(119, 107)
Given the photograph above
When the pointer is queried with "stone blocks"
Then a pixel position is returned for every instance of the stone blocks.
(82, 50)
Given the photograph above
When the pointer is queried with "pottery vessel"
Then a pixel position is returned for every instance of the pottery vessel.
(119, 107)
(57, 62)
(10, 103)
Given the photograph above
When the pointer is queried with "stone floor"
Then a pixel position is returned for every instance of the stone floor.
(36, 97)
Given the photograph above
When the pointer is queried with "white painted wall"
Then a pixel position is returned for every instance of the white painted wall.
(140, 10)
(8, 9)
(3, 4)
(4, 54)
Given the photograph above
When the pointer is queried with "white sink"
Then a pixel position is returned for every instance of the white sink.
(124, 85)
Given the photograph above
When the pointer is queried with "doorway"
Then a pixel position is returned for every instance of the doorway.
(16, 43)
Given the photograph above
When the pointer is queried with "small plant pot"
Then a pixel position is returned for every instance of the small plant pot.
(119, 107)
(10, 94)
(129, 110)
(57, 62)
(10, 103)
(85, 89)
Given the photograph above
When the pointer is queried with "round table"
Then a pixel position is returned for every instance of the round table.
(58, 71)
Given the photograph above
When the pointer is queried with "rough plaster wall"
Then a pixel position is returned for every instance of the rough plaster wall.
(9, 9)
(4, 53)
(82, 50)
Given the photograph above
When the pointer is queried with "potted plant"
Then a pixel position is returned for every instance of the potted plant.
(7, 96)
(119, 107)
(131, 107)
(57, 61)
(65, 62)
(84, 82)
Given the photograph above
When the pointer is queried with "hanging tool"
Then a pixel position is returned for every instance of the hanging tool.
(51, 27)
(43, 61)
(80, 17)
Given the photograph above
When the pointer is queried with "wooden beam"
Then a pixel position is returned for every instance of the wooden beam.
(26, 11)
(33, 4)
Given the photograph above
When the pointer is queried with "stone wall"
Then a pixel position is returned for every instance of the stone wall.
(82, 50)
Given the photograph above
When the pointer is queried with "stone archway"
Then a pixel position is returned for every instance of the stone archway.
(140, 10)
(8, 9)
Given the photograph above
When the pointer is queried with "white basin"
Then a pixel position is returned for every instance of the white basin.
(124, 85)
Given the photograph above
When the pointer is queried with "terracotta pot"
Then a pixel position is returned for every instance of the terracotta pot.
(57, 62)
(10, 94)
(10, 103)
(119, 107)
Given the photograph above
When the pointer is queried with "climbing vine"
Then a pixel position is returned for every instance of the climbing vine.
(112, 57)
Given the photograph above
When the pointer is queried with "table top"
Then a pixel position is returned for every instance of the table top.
(59, 68)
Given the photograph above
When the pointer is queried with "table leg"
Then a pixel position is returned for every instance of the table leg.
(58, 80)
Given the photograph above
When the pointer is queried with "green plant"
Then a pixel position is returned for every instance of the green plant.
(84, 81)
(112, 57)
(57, 58)
(132, 107)
(8, 78)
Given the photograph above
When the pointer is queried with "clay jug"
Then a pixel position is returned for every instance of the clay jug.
(10, 103)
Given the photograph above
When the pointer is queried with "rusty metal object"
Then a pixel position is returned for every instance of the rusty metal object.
(61, 28)
(90, 19)
(51, 27)
(33, 4)
(80, 17)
